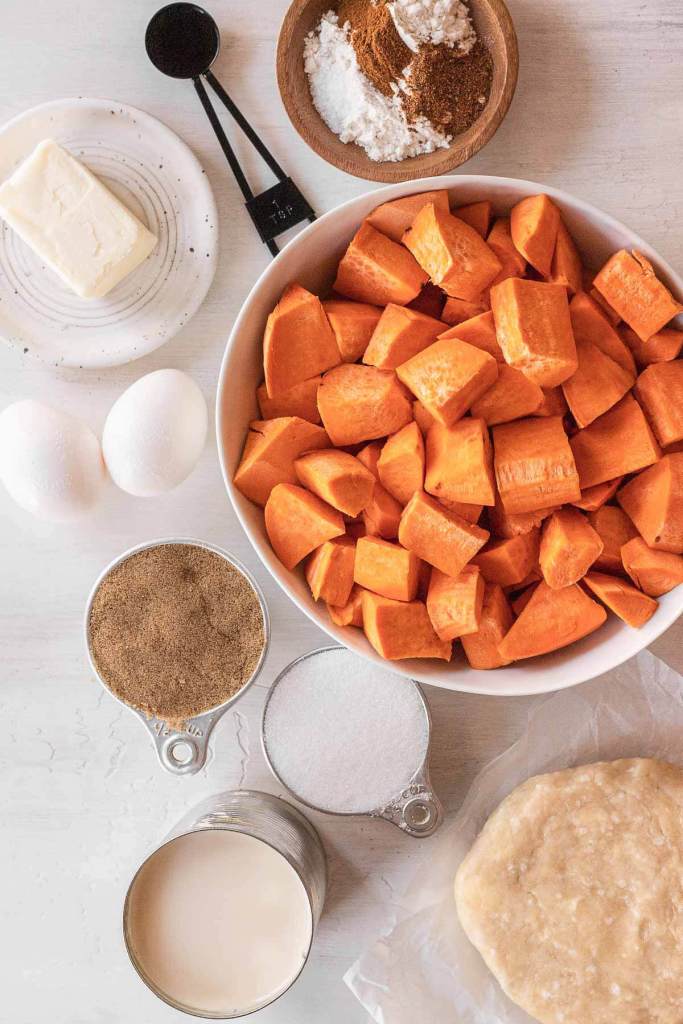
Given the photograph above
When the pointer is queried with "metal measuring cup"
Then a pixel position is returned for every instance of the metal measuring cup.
(415, 809)
(181, 751)
(274, 822)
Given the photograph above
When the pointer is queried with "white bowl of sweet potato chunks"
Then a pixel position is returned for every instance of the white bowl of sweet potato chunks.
(450, 419)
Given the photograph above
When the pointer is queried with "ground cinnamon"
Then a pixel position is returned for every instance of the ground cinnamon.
(381, 53)
(175, 630)
(449, 88)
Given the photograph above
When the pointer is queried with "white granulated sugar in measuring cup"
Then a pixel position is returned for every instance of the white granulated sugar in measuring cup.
(353, 108)
(345, 735)
(433, 21)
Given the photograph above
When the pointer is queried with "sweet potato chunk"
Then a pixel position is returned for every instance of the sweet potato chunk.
(653, 500)
(460, 463)
(512, 396)
(454, 605)
(457, 311)
(509, 562)
(615, 529)
(383, 515)
(659, 390)
(297, 522)
(394, 218)
(300, 400)
(477, 215)
(329, 571)
(400, 334)
(534, 330)
(452, 253)
(270, 451)
(470, 513)
(551, 620)
(569, 547)
(590, 324)
(369, 457)
(605, 307)
(401, 464)
(566, 266)
(534, 465)
(534, 224)
(448, 377)
(629, 283)
(504, 525)
(351, 613)
(386, 569)
(662, 347)
(338, 478)
(480, 331)
(353, 324)
(423, 418)
(654, 572)
(376, 270)
(594, 498)
(622, 598)
(598, 384)
(554, 403)
(440, 537)
(500, 240)
(481, 648)
(360, 403)
(401, 629)
(615, 444)
(298, 342)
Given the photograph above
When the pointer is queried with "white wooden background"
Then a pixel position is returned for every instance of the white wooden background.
(599, 112)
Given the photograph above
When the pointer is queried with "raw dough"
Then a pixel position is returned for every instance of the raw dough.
(573, 894)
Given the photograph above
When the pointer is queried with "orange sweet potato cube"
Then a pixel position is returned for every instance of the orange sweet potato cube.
(394, 218)
(400, 334)
(629, 283)
(440, 537)
(662, 347)
(270, 451)
(460, 463)
(360, 403)
(512, 397)
(617, 443)
(551, 620)
(653, 572)
(598, 384)
(369, 457)
(376, 270)
(457, 311)
(300, 400)
(504, 525)
(554, 403)
(383, 515)
(604, 305)
(593, 498)
(659, 390)
(423, 418)
(534, 330)
(480, 331)
(401, 464)
(614, 528)
(509, 562)
(470, 513)
(297, 522)
(481, 648)
(454, 605)
(534, 224)
(298, 342)
(653, 500)
(566, 266)
(452, 253)
(622, 598)
(448, 377)
(569, 547)
(386, 568)
(351, 613)
(590, 324)
(534, 465)
(401, 629)
(500, 240)
(477, 215)
(353, 324)
(338, 478)
(329, 570)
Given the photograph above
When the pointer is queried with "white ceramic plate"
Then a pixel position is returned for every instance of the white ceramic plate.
(311, 258)
(158, 177)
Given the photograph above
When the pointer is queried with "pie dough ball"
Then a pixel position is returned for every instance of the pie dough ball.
(573, 894)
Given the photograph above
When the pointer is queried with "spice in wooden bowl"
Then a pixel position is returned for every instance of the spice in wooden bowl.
(175, 630)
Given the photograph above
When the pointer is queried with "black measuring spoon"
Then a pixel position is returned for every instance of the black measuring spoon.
(182, 41)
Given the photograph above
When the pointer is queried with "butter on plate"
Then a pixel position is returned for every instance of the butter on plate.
(73, 222)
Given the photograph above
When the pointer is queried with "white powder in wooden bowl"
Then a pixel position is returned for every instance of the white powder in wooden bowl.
(433, 21)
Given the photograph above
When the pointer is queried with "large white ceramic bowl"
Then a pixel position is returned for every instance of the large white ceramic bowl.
(311, 259)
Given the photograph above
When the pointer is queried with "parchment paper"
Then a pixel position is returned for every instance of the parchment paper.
(424, 971)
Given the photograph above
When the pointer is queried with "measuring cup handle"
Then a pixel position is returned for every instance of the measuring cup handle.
(417, 811)
(180, 751)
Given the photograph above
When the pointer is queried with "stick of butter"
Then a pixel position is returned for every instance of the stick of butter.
(73, 222)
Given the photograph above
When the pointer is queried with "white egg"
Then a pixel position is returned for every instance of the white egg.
(50, 462)
(155, 433)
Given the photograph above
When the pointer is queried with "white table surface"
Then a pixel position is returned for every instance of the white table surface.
(598, 111)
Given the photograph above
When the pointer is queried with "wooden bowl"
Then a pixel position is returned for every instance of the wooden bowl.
(495, 28)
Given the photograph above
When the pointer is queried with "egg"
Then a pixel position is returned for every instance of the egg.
(155, 433)
(50, 462)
